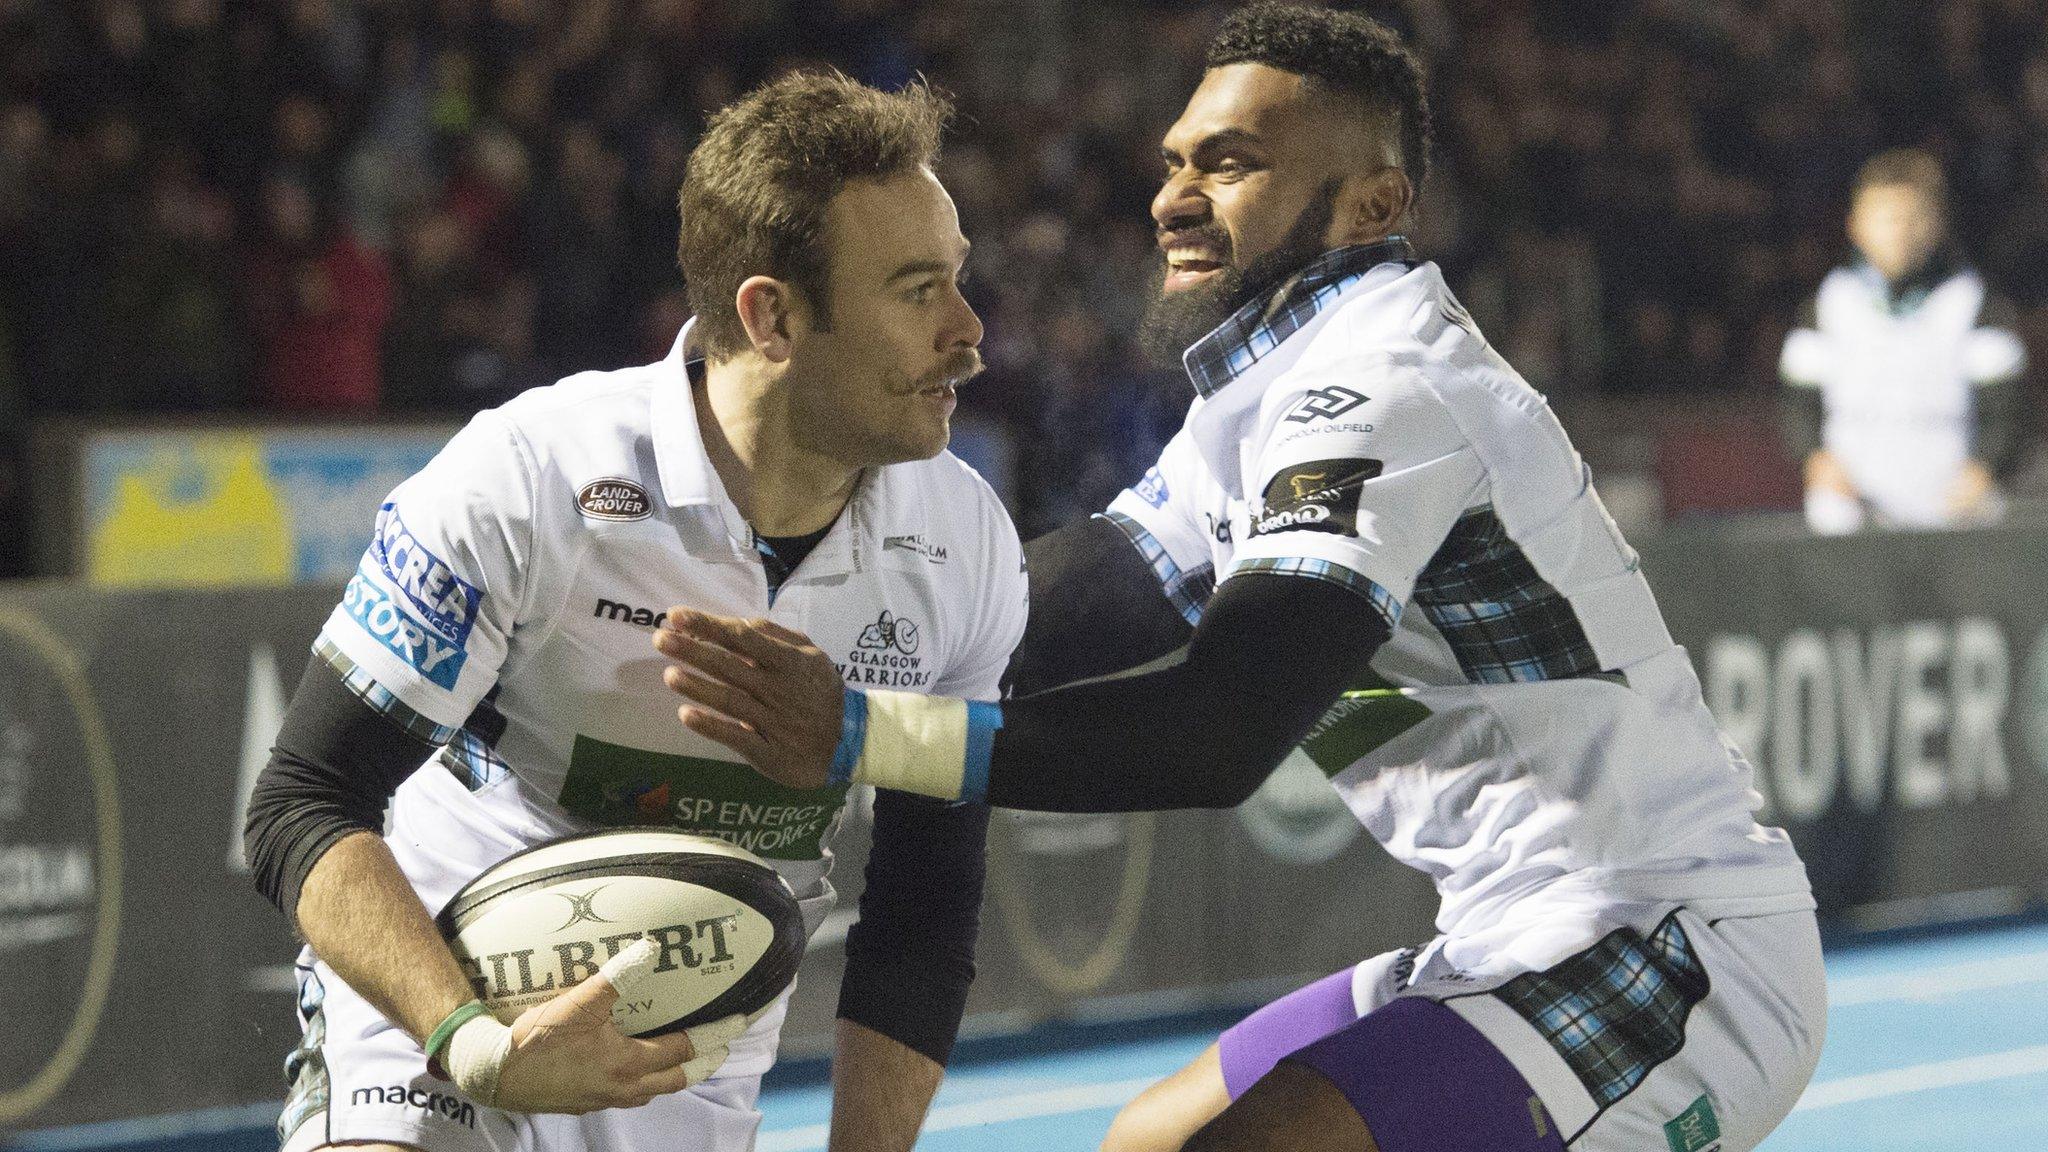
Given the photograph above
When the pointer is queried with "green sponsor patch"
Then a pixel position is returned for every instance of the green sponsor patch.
(1358, 723)
(1694, 1129)
(613, 785)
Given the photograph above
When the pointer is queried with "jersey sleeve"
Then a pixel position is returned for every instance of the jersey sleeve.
(1161, 517)
(1001, 602)
(1359, 473)
(1805, 361)
(425, 622)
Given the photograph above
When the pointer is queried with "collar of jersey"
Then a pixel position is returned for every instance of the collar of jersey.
(1255, 330)
(688, 480)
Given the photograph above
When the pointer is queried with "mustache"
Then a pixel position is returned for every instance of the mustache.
(958, 367)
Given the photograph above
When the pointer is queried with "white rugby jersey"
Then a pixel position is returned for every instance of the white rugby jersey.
(1897, 383)
(504, 609)
(1532, 731)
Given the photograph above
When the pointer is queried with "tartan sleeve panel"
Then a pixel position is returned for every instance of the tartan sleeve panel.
(1188, 591)
(1503, 621)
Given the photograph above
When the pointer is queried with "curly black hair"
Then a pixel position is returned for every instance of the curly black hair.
(1344, 52)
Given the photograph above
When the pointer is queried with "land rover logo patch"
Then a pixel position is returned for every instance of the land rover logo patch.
(614, 499)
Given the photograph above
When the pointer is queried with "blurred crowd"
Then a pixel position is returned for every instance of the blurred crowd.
(363, 206)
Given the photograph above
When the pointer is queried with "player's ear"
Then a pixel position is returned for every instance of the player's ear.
(766, 306)
(1369, 207)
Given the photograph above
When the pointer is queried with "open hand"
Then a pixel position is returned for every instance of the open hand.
(760, 689)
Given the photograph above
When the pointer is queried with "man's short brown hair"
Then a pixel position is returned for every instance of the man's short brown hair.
(1908, 167)
(754, 196)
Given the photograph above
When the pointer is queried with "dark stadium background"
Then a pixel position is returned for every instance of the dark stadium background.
(359, 221)
(324, 208)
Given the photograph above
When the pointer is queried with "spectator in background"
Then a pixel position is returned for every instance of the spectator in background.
(319, 301)
(1633, 198)
(173, 306)
(1903, 381)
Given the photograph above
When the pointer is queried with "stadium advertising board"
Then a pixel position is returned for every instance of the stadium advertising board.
(60, 864)
(1892, 692)
(1893, 697)
(223, 507)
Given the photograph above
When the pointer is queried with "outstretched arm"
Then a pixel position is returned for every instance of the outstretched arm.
(1096, 609)
(1348, 513)
(1272, 653)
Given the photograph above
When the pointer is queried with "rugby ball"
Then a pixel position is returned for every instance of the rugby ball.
(729, 930)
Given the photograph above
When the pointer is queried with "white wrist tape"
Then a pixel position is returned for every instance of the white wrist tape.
(915, 743)
(701, 1067)
(476, 1054)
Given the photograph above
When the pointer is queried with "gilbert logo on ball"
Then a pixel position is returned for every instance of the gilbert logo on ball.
(727, 932)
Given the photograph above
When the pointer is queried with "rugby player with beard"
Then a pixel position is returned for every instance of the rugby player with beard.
(1372, 540)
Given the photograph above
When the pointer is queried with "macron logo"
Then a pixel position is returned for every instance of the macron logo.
(627, 614)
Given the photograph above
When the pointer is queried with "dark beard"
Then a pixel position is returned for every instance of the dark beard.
(1174, 321)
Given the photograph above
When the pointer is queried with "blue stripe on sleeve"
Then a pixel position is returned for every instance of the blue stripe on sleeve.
(983, 719)
(853, 736)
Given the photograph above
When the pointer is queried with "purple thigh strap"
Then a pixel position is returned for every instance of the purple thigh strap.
(1425, 1080)
(1260, 1040)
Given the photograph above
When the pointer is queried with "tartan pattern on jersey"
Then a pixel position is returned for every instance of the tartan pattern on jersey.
(1382, 600)
(1253, 331)
(380, 698)
(473, 754)
(473, 761)
(1187, 591)
(1616, 1010)
(1504, 623)
(305, 1069)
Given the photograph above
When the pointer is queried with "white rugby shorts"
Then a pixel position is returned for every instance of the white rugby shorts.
(1558, 1009)
(356, 1076)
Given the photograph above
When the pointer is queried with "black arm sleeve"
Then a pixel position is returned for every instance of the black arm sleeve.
(1271, 655)
(910, 956)
(1998, 430)
(1096, 608)
(335, 765)
(1800, 414)
(1802, 411)
(1999, 427)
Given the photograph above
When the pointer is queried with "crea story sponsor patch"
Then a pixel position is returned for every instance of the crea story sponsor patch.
(440, 598)
(412, 602)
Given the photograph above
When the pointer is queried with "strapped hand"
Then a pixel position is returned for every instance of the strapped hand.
(566, 1055)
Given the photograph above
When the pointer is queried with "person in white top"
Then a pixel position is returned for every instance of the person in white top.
(1903, 381)
(1372, 540)
(785, 463)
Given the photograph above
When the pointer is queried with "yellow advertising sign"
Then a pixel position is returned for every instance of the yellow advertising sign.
(203, 513)
(238, 507)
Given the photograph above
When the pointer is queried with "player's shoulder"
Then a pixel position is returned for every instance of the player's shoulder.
(1406, 361)
(585, 428)
(576, 408)
(957, 503)
(1408, 334)
(1847, 293)
(945, 487)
